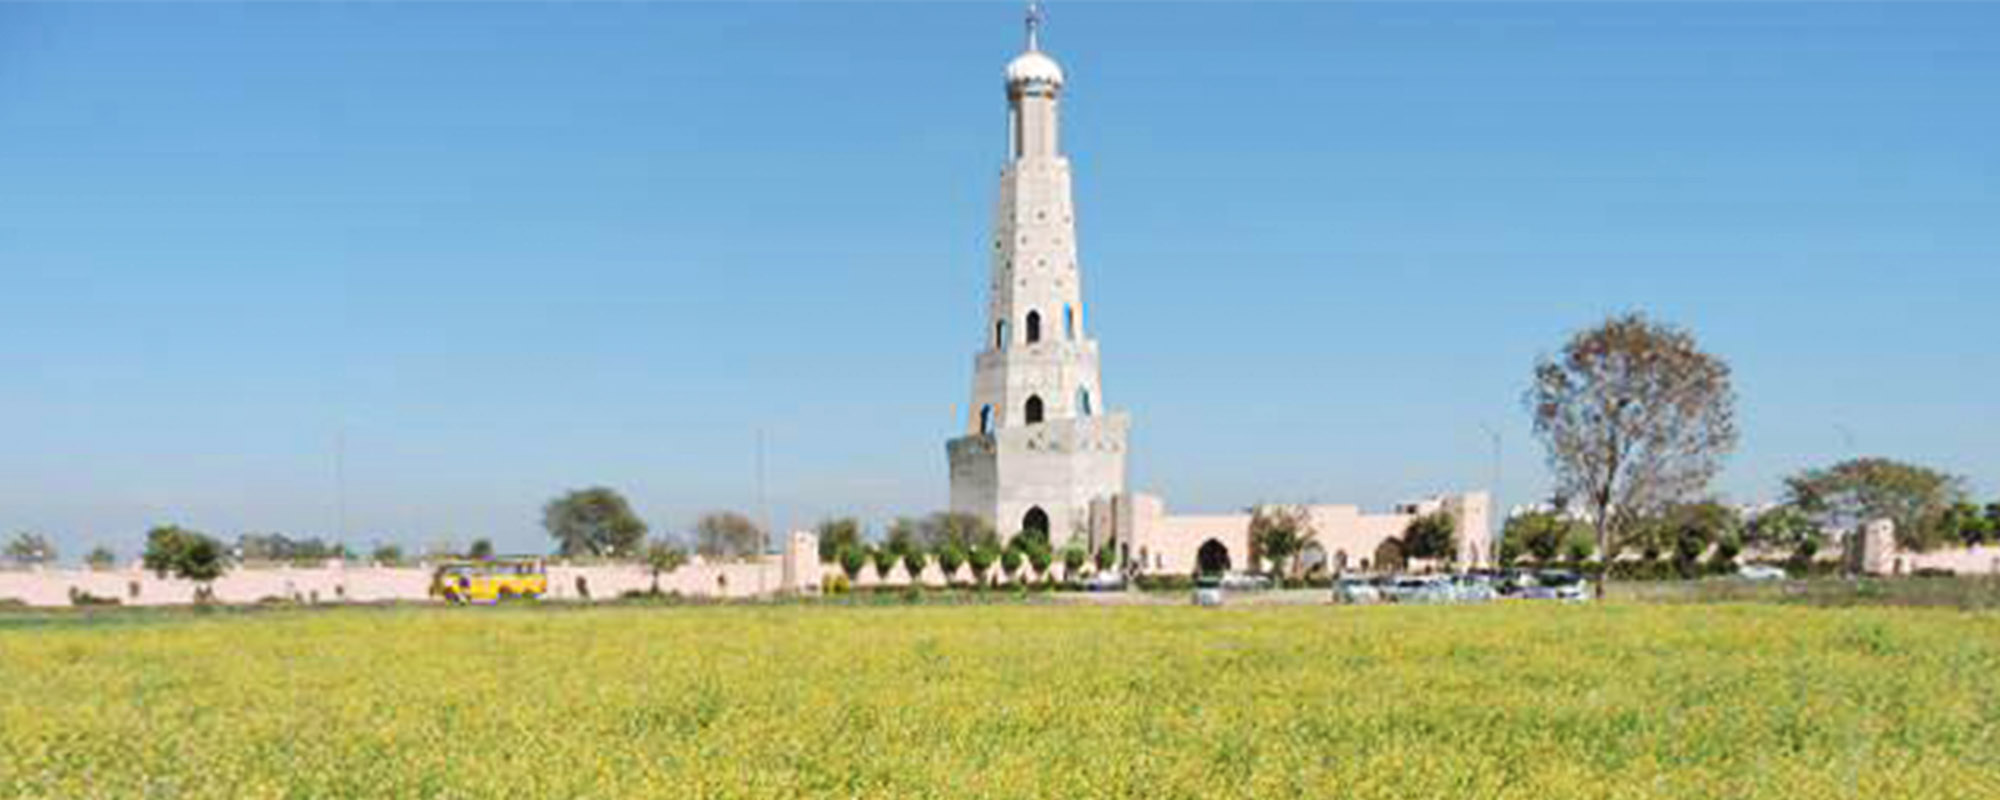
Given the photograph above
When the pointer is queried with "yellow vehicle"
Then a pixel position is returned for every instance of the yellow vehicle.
(490, 581)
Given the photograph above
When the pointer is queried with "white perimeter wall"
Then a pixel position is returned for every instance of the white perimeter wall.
(795, 570)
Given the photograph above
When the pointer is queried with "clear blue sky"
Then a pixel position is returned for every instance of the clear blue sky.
(512, 249)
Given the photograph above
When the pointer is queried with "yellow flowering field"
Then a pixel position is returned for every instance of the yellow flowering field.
(1506, 701)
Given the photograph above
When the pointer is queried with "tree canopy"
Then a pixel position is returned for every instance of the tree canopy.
(593, 522)
(1432, 536)
(185, 554)
(1539, 534)
(966, 531)
(1847, 494)
(1788, 529)
(277, 547)
(1634, 417)
(728, 535)
(1279, 533)
(29, 548)
(836, 535)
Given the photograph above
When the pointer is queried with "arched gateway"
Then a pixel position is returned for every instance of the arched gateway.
(1212, 558)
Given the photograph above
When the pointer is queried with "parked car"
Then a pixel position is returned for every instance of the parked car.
(1472, 588)
(1566, 585)
(1245, 581)
(1356, 591)
(1105, 581)
(1761, 572)
(1423, 590)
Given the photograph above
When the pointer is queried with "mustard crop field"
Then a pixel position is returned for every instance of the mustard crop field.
(1505, 701)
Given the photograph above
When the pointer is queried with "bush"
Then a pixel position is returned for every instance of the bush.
(839, 584)
(1164, 583)
(79, 597)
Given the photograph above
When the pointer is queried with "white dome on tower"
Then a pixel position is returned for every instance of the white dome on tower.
(1034, 67)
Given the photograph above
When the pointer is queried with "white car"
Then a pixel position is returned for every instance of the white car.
(1106, 581)
(1356, 591)
(1246, 581)
(1761, 572)
(1568, 586)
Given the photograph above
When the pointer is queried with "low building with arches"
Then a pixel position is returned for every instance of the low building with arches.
(1346, 539)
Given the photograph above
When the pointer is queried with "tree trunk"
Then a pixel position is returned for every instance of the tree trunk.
(1603, 554)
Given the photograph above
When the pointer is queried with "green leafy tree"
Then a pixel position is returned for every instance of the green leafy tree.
(1011, 560)
(663, 555)
(1788, 529)
(853, 559)
(980, 558)
(905, 535)
(1727, 549)
(30, 548)
(727, 535)
(481, 550)
(1541, 534)
(1511, 550)
(913, 564)
(185, 554)
(1578, 548)
(387, 554)
(101, 558)
(884, 559)
(967, 531)
(1279, 533)
(949, 558)
(1691, 529)
(1847, 494)
(593, 522)
(836, 535)
(1967, 524)
(1107, 557)
(1634, 417)
(1040, 557)
(1432, 537)
(1073, 558)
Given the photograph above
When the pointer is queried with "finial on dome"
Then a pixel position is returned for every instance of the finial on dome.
(1034, 25)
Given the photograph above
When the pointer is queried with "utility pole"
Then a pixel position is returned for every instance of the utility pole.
(1493, 537)
(340, 482)
(764, 510)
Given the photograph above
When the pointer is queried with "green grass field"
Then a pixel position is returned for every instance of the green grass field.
(1527, 701)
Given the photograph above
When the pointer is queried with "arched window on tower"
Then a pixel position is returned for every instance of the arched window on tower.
(1034, 327)
(1069, 322)
(1034, 409)
(1000, 335)
(985, 420)
(1083, 401)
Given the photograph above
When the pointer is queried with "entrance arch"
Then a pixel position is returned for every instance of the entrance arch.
(1034, 410)
(1036, 520)
(1212, 558)
(1389, 556)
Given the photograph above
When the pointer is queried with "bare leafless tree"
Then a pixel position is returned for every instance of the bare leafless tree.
(1635, 417)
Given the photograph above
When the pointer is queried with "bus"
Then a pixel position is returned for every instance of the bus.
(490, 581)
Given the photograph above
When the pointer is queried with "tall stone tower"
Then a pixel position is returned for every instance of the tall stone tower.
(1038, 443)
